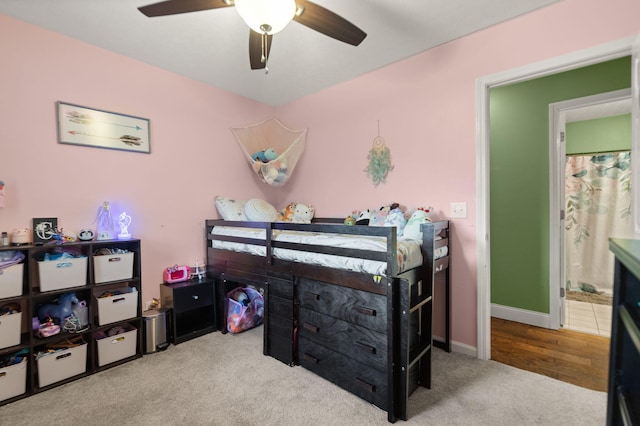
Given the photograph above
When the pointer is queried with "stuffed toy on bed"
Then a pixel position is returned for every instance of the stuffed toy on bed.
(286, 214)
(302, 213)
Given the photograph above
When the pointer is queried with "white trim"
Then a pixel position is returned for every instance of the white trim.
(461, 348)
(520, 315)
(556, 191)
(566, 62)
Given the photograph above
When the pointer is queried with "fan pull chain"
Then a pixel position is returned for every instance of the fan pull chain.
(265, 50)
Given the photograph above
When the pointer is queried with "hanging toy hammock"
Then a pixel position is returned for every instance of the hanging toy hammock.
(272, 149)
(379, 160)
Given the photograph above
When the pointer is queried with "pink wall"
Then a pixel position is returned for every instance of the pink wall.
(169, 193)
(425, 105)
(426, 108)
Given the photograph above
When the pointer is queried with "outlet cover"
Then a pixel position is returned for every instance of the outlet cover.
(458, 211)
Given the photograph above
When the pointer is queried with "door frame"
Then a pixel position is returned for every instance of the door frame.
(578, 59)
(557, 154)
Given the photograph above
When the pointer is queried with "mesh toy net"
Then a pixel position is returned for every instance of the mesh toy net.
(271, 134)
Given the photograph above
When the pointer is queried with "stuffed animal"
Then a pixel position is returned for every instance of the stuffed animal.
(58, 311)
(363, 217)
(396, 218)
(303, 213)
(286, 214)
(412, 228)
(265, 155)
(352, 218)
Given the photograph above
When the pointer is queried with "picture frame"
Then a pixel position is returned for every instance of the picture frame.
(44, 228)
(80, 125)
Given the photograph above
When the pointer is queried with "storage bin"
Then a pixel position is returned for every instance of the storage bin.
(61, 365)
(64, 273)
(10, 326)
(11, 281)
(115, 348)
(112, 267)
(13, 380)
(118, 307)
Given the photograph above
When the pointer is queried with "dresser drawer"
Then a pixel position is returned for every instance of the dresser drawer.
(356, 306)
(354, 341)
(192, 297)
(359, 379)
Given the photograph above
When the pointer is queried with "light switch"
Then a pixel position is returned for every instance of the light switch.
(458, 211)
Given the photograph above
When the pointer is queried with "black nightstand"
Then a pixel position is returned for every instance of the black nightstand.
(192, 308)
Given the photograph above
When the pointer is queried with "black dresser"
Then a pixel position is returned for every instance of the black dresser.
(623, 402)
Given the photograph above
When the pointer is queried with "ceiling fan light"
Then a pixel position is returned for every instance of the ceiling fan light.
(266, 16)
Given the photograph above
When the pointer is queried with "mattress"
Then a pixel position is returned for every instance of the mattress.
(409, 254)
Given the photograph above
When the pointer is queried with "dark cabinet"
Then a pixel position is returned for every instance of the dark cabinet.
(192, 308)
(623, 402)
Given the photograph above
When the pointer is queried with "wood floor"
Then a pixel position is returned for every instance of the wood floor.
(573, 357)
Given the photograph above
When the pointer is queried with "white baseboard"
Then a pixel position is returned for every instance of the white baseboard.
(461, 348)
(521, 315)
(465, 349)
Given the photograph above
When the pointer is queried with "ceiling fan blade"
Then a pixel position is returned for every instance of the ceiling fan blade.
(256, 52)
(328, 23)
(174, 7)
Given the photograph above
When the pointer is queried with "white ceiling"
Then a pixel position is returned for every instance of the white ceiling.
(212, 46)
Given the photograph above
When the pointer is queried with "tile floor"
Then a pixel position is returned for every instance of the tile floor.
(588, 318)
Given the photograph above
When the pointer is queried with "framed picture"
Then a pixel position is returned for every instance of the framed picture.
(78, 125)
(44, 229)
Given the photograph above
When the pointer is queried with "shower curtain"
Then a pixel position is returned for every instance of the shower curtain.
(598, 206)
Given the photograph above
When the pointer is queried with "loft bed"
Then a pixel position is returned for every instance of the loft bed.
(361, 316)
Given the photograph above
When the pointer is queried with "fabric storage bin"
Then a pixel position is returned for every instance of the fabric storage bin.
(11, 281)
(65, 273)
(118, 307)
(61, 365)
(10, 326)
(117, 347)
(112, 267)
(13, 380)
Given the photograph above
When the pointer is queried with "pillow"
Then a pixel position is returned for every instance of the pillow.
(396, 218)
(412, 229)
(258, 210)
(230, 209)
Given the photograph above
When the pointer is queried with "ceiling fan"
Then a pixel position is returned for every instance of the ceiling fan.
(265, 18)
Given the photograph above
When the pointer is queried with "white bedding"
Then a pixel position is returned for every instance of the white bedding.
(409, 253)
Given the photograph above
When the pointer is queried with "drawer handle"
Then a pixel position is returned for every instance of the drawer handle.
(311, 358)
(366, 348)
(368, 386)
(3, 373)
(63, 355)
(365, 311)
(440, 268)
(312, 328)
(114, 259)
(311, 296)
(195, 297)
(119, 299)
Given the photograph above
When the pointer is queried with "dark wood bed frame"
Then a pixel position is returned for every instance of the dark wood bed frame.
(394, 311)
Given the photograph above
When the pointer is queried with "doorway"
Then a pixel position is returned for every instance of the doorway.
(590, 143)
(575, 60)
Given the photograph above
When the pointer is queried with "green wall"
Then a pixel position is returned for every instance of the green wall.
(599, 135)
(519, 177)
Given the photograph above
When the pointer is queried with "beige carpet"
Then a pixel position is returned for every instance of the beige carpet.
(225, 380)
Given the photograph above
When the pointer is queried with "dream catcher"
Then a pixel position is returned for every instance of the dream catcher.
(379, 160)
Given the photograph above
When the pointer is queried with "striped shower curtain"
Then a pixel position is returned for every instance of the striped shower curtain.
(598, 206)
